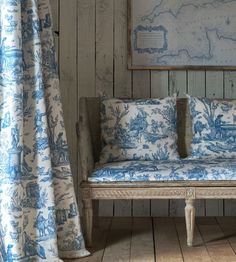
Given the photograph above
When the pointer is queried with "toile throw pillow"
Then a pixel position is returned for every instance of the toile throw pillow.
(214, 128)
(143, 129)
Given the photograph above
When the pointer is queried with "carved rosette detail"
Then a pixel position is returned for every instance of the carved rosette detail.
(190, 193)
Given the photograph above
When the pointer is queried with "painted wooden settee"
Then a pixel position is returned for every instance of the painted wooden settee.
(88, 130)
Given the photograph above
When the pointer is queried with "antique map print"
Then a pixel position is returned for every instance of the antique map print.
(183, 33)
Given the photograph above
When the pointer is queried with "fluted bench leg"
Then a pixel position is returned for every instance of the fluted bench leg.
(190, 220)
(88, 219)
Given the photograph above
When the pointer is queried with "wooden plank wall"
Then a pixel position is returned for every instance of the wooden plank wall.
(91, 39)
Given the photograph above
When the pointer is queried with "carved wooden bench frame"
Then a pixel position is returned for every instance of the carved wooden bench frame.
(190, 191)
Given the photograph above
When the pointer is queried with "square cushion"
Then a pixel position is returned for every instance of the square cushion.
(176, 170)
(142, 129)
(214, 128)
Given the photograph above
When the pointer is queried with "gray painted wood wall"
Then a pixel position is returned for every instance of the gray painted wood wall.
(91, 39)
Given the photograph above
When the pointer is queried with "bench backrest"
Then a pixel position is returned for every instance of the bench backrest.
(90, 110)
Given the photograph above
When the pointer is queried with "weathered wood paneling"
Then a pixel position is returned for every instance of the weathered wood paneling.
(68, 76)
(92, 49)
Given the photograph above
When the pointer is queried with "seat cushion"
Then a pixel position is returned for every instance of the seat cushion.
(178, 170)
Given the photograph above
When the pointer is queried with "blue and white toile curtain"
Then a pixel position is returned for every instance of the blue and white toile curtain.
(38, 211)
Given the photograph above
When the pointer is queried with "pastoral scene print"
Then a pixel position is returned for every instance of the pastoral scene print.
(39, 219)
(214, 127)
(166, 170)
(138, 129)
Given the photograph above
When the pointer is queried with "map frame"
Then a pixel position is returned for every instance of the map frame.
(132, 66)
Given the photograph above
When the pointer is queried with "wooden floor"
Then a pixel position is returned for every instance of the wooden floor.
(163, 240)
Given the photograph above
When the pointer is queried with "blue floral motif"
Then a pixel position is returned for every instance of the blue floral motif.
(38, 212)
(170, 170)
(214, 128)
(138, 129)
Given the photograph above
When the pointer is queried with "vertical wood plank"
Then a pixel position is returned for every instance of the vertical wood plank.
(197, 87)
(165, 236)
(142, 246)
(141, 84)
(122, 76)
(104, 65)
(159, 84)
(141, 208)
(118, 244)
(159, 88)
(141, 89)
(230, 92)
(177, 84)
(104, 47)
(86, 48)
(214, 89)
(214, 84)
(68, 77)
(196, 83)
(123, 208)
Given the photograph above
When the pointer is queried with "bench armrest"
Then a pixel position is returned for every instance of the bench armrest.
(86, 158)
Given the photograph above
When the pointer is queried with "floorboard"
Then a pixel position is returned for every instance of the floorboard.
(162, 240)
(142, 246)
(216, 243)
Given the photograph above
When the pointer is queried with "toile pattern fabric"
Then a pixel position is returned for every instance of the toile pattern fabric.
(138, 129)
(166, 170)
(39, 218)
(214, 128)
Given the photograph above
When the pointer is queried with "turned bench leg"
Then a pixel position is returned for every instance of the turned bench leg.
(88, 219)
(190, 220)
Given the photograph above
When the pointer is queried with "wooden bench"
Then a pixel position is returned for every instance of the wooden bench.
(88, 130)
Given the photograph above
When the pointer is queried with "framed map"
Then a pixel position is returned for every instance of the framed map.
(194, 34)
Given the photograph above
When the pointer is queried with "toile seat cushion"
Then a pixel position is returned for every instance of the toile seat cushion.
(177, 170)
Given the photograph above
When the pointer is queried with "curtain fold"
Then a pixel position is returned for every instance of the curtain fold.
(39, 217)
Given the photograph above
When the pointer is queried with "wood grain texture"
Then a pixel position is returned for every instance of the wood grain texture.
(122, 76)
(142, 246)
(119, 241)
(165, 236)
(149, 240)
(68, 77)
(228, 226)
(104, 47)
(217, 245)
(196, 83)
(86, 48)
